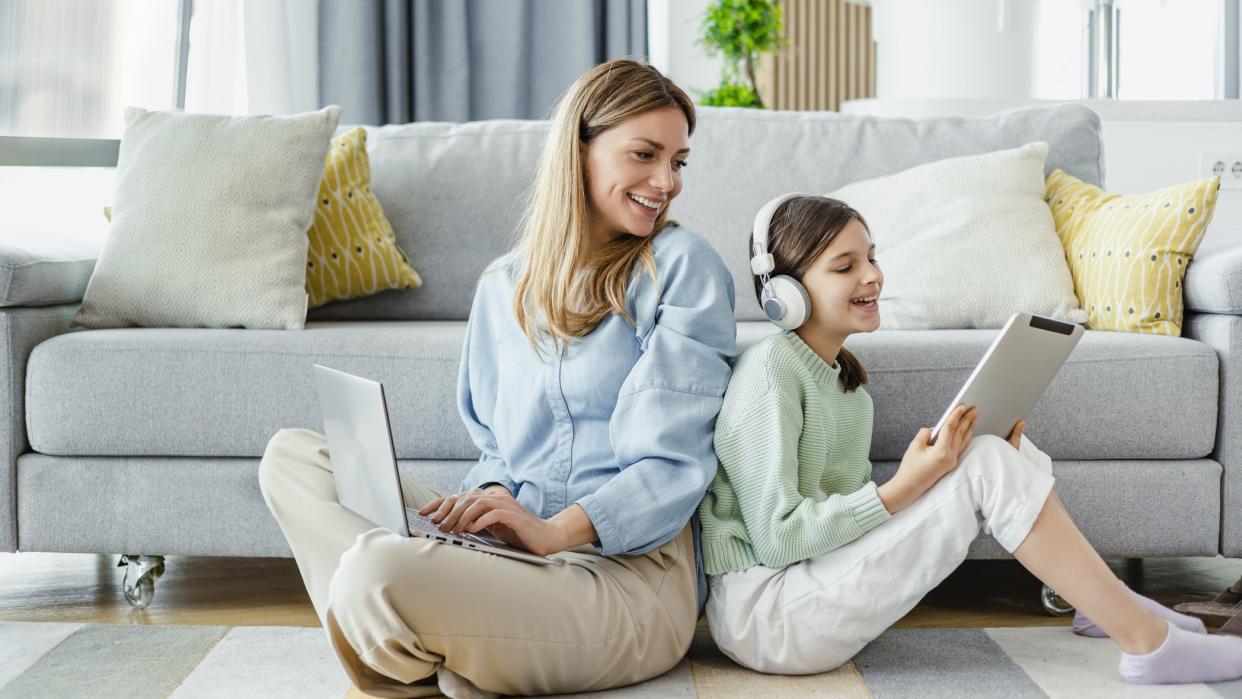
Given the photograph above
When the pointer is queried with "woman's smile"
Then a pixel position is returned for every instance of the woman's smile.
(645, 206)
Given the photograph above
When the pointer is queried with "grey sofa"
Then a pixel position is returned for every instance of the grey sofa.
(147, 441)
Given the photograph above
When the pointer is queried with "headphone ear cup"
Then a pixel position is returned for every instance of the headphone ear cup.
(795, 304)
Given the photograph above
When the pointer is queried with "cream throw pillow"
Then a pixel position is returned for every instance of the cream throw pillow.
(209, 221)
(966, 242)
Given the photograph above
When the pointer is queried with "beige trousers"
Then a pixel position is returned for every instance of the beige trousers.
(395, 609)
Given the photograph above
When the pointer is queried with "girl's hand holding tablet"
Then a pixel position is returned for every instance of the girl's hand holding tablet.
(925, 463)
(1015, 437)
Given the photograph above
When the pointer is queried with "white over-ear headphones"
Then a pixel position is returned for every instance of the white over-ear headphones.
(783, 298)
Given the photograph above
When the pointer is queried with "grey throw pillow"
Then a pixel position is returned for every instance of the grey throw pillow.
(209, 221)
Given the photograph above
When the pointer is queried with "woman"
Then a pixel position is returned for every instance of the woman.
(595, 361)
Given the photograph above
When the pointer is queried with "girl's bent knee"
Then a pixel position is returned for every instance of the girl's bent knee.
(986, 453)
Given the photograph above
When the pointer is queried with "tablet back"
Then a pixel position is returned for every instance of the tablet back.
(1015, 372)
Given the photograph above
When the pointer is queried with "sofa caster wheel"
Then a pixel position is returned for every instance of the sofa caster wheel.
(1053, 604)
(141, 572)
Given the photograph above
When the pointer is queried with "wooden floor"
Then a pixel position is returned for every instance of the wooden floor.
(268, 591)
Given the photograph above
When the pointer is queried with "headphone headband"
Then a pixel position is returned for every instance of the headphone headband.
(783, 299)
(761, 262)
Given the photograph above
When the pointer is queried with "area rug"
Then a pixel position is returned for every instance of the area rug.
(42, 659)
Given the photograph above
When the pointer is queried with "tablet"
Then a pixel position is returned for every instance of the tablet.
(1014, 372)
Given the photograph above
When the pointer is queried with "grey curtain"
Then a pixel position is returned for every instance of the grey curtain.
(394, 61)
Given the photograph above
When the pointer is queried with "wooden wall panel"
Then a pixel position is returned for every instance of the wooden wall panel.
(829, 57)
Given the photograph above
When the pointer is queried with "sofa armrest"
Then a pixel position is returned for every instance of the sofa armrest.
(1223, 333)
(1213, 282)
(20, 330)
(44, 271)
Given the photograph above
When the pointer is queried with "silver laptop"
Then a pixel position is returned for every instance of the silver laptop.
(364, 465)
(1014, 373)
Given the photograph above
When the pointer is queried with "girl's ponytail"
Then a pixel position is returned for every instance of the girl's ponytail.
(853, 374)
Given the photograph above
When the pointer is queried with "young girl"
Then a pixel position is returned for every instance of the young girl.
(808, 560)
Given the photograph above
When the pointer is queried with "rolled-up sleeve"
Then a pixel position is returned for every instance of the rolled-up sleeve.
(661, 430)
(476, 399)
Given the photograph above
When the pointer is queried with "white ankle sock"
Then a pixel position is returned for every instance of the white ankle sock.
(1185, 657)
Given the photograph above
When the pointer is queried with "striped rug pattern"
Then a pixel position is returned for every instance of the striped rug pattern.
(42, 659)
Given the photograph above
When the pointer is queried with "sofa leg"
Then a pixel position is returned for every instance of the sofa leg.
(141, 572)
(1053, 604)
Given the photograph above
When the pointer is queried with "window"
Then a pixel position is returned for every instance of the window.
(71, 67)
(1168, 49)
(1063, 43)
(1138, 49)
(56, 203)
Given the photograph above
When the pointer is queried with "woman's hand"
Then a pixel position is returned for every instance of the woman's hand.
(924, 463)
(496, 510)
(1015, 436)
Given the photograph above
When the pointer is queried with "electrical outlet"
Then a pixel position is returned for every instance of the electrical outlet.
(1226, 166)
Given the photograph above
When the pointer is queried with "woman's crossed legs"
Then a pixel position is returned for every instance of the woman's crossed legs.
(395, 609)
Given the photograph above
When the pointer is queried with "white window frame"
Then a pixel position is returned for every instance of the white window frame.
(94, 152)
(1229, 82)
(1102, 61)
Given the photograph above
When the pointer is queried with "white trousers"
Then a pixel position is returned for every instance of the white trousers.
(814, 615)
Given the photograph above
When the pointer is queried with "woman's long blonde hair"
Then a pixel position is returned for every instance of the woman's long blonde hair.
(565, 289)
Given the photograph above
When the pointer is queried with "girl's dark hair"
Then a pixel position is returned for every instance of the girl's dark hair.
(801, 229)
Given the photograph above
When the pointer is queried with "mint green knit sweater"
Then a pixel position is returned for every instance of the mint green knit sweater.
(794, 479)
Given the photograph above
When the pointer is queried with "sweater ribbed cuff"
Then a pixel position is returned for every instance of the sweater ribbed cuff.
(867, 507)
(727, 555)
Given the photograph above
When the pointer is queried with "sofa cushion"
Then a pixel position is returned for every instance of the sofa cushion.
(204, 392)
(1118, 396)
(454, 192)
(223, 392)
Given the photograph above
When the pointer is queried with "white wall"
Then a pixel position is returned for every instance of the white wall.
(673, 34)
(955, 48)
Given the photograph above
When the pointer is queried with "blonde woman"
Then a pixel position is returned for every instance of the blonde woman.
(595, 362)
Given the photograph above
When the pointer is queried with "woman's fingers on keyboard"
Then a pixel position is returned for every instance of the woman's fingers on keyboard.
(430, 507)
(446, 506)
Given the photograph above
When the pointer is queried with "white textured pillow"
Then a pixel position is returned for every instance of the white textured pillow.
(966, 242)
(209, 221)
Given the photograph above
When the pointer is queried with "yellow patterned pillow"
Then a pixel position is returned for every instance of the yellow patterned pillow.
(353, 251)
(1128, 254)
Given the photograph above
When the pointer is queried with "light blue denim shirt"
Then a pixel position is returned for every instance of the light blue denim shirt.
(621, 422)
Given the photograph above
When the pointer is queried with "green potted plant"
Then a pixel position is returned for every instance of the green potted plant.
(739, 31)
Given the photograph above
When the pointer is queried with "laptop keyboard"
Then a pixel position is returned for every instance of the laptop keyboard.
(424, 525)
